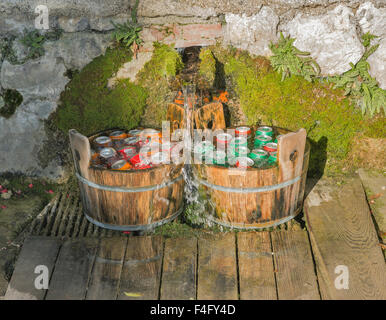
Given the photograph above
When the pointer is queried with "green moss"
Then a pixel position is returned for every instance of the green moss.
(331, 121)
(164, 63)
(88, 105)
(11, 100)
(207, 66)
(155, 76)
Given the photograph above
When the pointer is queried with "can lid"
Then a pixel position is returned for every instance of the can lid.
(244, 162)
(224, 137)
(263, 138)
(116, 133)
(135, 132)
(265, 129)
(131, 140)
(259, 154)
(242, 150)
(271, 146)
(239, 140)
(102, 140)
(107, 152)
(243, 130)
(119, 164)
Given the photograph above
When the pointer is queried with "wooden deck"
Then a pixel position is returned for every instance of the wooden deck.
(287, 264)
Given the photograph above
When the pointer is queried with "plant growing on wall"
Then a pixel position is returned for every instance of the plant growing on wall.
(358, 83)
(34, 41)
(288, 60)
(128, 33)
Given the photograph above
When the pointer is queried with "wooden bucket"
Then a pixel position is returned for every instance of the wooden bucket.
(258, 198)
(131, 200)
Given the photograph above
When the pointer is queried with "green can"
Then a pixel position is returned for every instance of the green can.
(262, 140)
(272, 157)
(241, 151)
(258, 154)
(219, 158)
(264, 131)
(239, 142)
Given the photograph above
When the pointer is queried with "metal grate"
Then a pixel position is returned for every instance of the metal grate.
(63, 217)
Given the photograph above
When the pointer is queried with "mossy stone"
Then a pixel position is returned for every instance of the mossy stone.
(88, 105)
(156, 76)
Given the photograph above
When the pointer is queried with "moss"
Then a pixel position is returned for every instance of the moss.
(207, 66)
(88, 105)
(155, 76)
(331, 121)
(11, 100)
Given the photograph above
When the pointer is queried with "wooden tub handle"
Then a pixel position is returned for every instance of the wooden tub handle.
(81, 152)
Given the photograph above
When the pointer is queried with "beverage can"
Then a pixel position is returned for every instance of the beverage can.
(262, 140)
(243, 131)
(270, 147)
(121, 165)
(264, 131)
(244, 162)
(118, 135)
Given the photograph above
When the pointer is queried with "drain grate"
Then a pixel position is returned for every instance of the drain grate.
(63, 217)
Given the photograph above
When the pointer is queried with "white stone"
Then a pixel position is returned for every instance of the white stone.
(330, 38)
(253, 33)
(373, 20)
(43, 77)
(78, 49)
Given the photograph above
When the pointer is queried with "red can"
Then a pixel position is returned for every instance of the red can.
(270, 147)
(128, 152)
(243, 131)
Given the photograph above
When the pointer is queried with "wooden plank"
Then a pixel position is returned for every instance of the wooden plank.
(179, 269)
(294, 267)
(36, 251)
(342, 234)
(375, 187)
(107, 269)
(256, 270)
(217, 268)
(72, 271)
(141, 271)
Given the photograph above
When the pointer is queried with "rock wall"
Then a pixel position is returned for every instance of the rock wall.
(329, 29)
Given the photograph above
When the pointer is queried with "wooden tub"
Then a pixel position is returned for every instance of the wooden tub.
(258, 198)
(131, 200)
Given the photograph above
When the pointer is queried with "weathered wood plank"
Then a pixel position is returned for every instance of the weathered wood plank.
(217, 268)
(374, 184)
(107, 269)
(141, 271)
(72, 270)
(342, 234)
(294, 267)
(256, 270)
(179, 269)
(36, 251)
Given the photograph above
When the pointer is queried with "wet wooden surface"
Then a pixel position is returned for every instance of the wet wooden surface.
(283, 264)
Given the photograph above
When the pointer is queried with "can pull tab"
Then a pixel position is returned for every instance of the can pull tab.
(293, 155)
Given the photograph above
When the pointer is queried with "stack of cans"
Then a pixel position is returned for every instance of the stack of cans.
(133, 150)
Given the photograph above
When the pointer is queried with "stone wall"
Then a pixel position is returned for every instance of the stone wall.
(329, 29)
